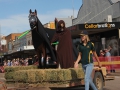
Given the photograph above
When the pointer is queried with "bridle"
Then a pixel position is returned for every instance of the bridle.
(32, 20)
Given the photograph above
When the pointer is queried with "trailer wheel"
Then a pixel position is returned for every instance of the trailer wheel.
(98, 80)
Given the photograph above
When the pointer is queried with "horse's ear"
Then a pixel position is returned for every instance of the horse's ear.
(36, 11)
(30, 11)
(56, 22)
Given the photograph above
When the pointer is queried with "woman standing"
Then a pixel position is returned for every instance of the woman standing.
(86, 50)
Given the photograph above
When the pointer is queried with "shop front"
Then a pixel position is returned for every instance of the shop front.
(102, 34)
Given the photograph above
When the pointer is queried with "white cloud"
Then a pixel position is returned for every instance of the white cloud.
(19, 23)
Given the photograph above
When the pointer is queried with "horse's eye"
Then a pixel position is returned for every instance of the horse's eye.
(29, 16)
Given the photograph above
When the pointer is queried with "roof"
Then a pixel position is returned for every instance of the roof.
(68, 21)
(114, 1)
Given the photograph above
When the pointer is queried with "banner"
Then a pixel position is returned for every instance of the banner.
(105, 25)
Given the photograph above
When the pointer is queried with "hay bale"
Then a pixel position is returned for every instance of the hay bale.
(16, 68)
(60, 75)
(50, 75)
(10, 70)
(77, 73)
(67, 74)
(30, 74)
(9, 75)
(20, 76)
(39, 75)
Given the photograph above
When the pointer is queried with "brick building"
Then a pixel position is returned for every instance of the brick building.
(9, 39)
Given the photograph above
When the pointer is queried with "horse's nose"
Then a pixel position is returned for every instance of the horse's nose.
(32, 25)
(32, 19)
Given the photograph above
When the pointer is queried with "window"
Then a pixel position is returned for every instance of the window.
(31, 42)
(28, 42)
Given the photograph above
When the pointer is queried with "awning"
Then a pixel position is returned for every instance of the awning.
(93, 28)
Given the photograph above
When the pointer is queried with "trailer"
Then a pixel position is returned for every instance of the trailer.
(99, 76)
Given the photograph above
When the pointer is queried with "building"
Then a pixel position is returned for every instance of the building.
(9, 39)
(51, 24)
(96, 11)
(19, 47)
(22, 47)
(68, 21)
(2, 46)
(26, 42)
(101, 18)
(15, 45)
(29, 39)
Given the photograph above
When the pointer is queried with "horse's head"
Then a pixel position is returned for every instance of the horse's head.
(33, 19)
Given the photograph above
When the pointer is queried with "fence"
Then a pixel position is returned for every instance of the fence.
(111, 63)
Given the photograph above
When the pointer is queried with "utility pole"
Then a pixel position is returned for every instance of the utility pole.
(73, 7)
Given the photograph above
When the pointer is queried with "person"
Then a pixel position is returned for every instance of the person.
(86, 49)
(30, 62)
(16, 62)
(5, 63)
(107, 53)
(64, 53)
(36, 60)
(102, 53)
(108, 57)
(112, 66)
(9, 63)
(26, 62)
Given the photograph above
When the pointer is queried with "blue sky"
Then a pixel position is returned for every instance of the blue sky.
(14, 13)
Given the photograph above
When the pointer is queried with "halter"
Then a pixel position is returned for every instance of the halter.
(32, 20)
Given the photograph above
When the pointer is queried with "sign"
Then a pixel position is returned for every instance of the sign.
(52, 25)
(106, 25)
(103, 40)
(3, 42)
(109, 18)
(72, 28)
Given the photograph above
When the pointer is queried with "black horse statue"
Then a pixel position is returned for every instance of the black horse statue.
(41, 39)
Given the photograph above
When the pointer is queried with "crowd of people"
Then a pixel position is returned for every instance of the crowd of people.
(20, 61)
(107, 54)
(25, 61)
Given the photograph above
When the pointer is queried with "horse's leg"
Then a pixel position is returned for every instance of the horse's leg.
(44, 55)
(38, 52)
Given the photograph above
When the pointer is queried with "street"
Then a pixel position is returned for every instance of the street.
(109, 85)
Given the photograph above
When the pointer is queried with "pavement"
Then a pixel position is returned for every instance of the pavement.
(117, 73)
